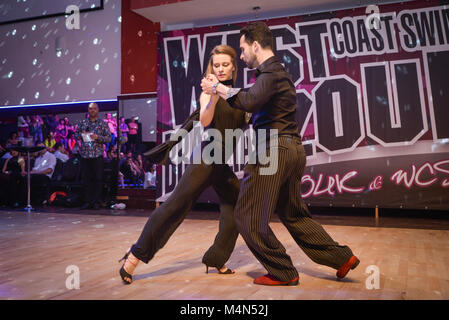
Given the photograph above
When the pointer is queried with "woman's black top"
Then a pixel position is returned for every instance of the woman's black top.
(224, 118)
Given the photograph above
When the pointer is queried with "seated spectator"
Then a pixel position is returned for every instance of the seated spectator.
(112, 153)
(60, 152)
(138, 166)
(139, 163)
(130, 170)
(12, 172)
(150, 178)
(13, 140)
(41, 174)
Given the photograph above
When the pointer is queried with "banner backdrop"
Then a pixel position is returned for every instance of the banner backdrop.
(373, 100)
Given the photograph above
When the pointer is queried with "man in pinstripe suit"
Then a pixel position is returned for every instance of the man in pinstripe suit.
(272, 101)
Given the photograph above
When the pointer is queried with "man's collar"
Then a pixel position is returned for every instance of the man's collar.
(265, 64)
(41, 155)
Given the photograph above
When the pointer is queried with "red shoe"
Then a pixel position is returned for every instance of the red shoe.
(351, 264)
(268, 280)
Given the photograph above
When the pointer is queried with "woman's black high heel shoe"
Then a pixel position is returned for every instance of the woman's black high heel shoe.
(228, 271)
(123, 273)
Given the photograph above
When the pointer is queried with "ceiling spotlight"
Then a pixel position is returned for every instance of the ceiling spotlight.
(256, 10)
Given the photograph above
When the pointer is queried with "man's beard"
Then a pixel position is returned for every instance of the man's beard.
(252, 62)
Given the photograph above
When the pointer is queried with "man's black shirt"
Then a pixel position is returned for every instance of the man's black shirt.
(271, 99)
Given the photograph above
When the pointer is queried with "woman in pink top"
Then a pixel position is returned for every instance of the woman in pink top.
(112, 124)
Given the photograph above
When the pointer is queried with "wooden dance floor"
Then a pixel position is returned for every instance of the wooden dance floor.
(36, 249)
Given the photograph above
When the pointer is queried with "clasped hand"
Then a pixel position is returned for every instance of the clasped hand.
(208, 82)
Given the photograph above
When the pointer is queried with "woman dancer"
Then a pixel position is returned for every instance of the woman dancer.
(215, 113)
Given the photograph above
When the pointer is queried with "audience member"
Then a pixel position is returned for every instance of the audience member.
(36, 128)
(112, 153)
(112, 125)
(22, 125)
(150, 177)
(42, 171)
(139, 163)
(62, 141)
(71, 142)
(130, 170)
(69, 127)
(132, 135)
(92, 134)
(60, 152)
(50, 141)
(61, 133)
(10, 178)
(13, 139)
(124, 129)
(52, 122)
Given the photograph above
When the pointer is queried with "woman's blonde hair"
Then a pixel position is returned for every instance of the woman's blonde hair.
(222, 49)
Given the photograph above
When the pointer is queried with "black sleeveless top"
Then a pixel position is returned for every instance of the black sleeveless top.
(225, 117)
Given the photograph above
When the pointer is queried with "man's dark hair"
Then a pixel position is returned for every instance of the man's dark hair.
(57, 145)
(258, 31)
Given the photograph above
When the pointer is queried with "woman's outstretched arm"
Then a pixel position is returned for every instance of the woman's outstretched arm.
(207, 103)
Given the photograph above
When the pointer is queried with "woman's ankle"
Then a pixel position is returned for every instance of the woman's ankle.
(131, 263)
(223, 269)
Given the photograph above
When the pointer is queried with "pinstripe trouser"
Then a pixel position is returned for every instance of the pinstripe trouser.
(165, 219)
(261, 195)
